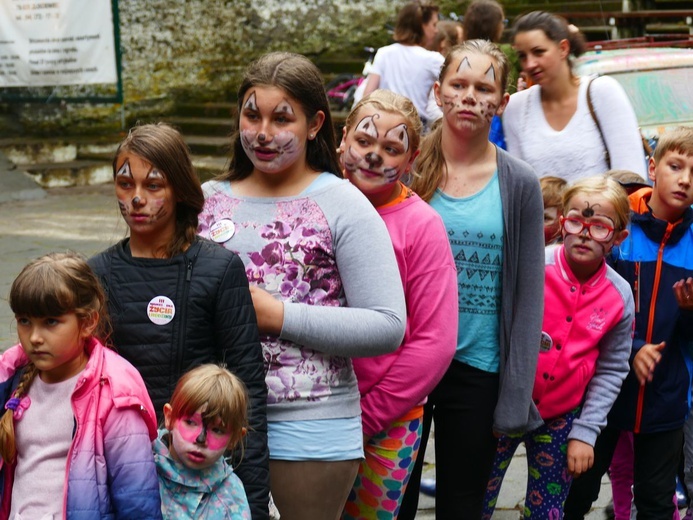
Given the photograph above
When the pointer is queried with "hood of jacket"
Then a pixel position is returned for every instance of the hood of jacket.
(654, 228)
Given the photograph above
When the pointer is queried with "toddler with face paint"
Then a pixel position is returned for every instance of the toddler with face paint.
(584, 352)
(379, 145)
(206, 417)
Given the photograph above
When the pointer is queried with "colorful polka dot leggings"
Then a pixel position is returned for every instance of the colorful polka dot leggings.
(383, 475)
(548, 480)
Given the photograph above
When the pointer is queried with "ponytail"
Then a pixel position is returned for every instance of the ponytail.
(430, 166)
(8, 447)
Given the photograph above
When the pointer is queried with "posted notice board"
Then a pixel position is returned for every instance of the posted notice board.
(56, 42)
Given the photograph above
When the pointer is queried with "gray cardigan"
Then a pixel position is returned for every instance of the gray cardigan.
(522, 298)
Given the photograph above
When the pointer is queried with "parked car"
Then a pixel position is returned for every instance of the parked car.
(659, 82)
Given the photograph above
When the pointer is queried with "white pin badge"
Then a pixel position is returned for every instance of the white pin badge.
(161, 310)
(546, 342)
(222, 230)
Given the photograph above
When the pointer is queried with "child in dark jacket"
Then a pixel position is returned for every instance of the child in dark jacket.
(656, 260)
(177, 300)
(76, 431)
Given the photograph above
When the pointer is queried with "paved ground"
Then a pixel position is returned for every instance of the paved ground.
(86, 220)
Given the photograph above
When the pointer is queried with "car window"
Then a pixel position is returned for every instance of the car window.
(660, 97)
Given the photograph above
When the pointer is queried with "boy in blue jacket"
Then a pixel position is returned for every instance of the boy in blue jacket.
(657, 260)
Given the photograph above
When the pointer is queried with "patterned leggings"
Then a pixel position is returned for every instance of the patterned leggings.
(383, 475)
(548, 481)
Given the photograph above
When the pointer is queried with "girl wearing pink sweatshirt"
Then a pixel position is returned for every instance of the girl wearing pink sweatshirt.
(585, 347)
(379, 145)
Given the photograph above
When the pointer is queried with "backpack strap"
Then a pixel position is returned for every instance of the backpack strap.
(593, 113)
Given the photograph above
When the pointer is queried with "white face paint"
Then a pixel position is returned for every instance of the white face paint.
(273, 132)
(377, 151)
(471, 94)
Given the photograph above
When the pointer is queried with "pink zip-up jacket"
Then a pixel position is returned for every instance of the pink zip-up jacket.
(392, 384)
(585, 346)
(110, 466)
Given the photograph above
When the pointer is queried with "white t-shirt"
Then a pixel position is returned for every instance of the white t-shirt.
(576, 151)
(409, 70)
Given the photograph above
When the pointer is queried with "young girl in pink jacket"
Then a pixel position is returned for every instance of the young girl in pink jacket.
(584, 352)
(75, 437)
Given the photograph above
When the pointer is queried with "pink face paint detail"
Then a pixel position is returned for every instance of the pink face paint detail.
(367, 126)
(399, 133)
(194, 429)
(273, 155)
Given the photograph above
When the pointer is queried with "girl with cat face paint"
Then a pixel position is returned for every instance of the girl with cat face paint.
(379, 145)
(312, 244)
(177, 300)
(492, 209)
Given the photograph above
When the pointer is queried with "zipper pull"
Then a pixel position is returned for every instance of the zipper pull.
(189, 275)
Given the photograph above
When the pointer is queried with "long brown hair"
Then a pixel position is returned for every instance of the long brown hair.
(301, 79)
(555, 28)
(410, 21)
(164, 148)
(51, 286)
(430, 165)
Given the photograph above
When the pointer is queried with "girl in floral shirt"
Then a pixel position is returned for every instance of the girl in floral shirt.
(323, 278)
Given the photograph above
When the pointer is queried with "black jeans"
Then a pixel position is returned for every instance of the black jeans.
(656, 463)
(462, 407)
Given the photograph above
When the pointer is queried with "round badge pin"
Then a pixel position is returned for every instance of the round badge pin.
(546, 342)
(222, 230)
(161, 310)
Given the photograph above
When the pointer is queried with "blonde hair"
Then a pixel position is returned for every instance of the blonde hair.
(552, 189)
(430, 165)
(51, 286)
(680, 139)
(389, 101)
(224, 395)
(608, 188)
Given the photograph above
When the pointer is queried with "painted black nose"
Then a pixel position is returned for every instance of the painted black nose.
(374, 159)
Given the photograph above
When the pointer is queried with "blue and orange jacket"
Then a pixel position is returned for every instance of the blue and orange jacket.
(655, 255)
(110, 466)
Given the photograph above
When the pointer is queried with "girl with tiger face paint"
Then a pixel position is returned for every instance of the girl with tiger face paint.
(378, 147)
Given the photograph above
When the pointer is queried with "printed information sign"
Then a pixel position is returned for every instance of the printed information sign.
(56, 42)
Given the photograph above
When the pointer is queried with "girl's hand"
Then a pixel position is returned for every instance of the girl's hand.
(580, 457)
(269, 311)
(646, 360)
(683, 290)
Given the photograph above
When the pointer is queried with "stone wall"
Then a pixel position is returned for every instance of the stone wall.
(195, 50)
